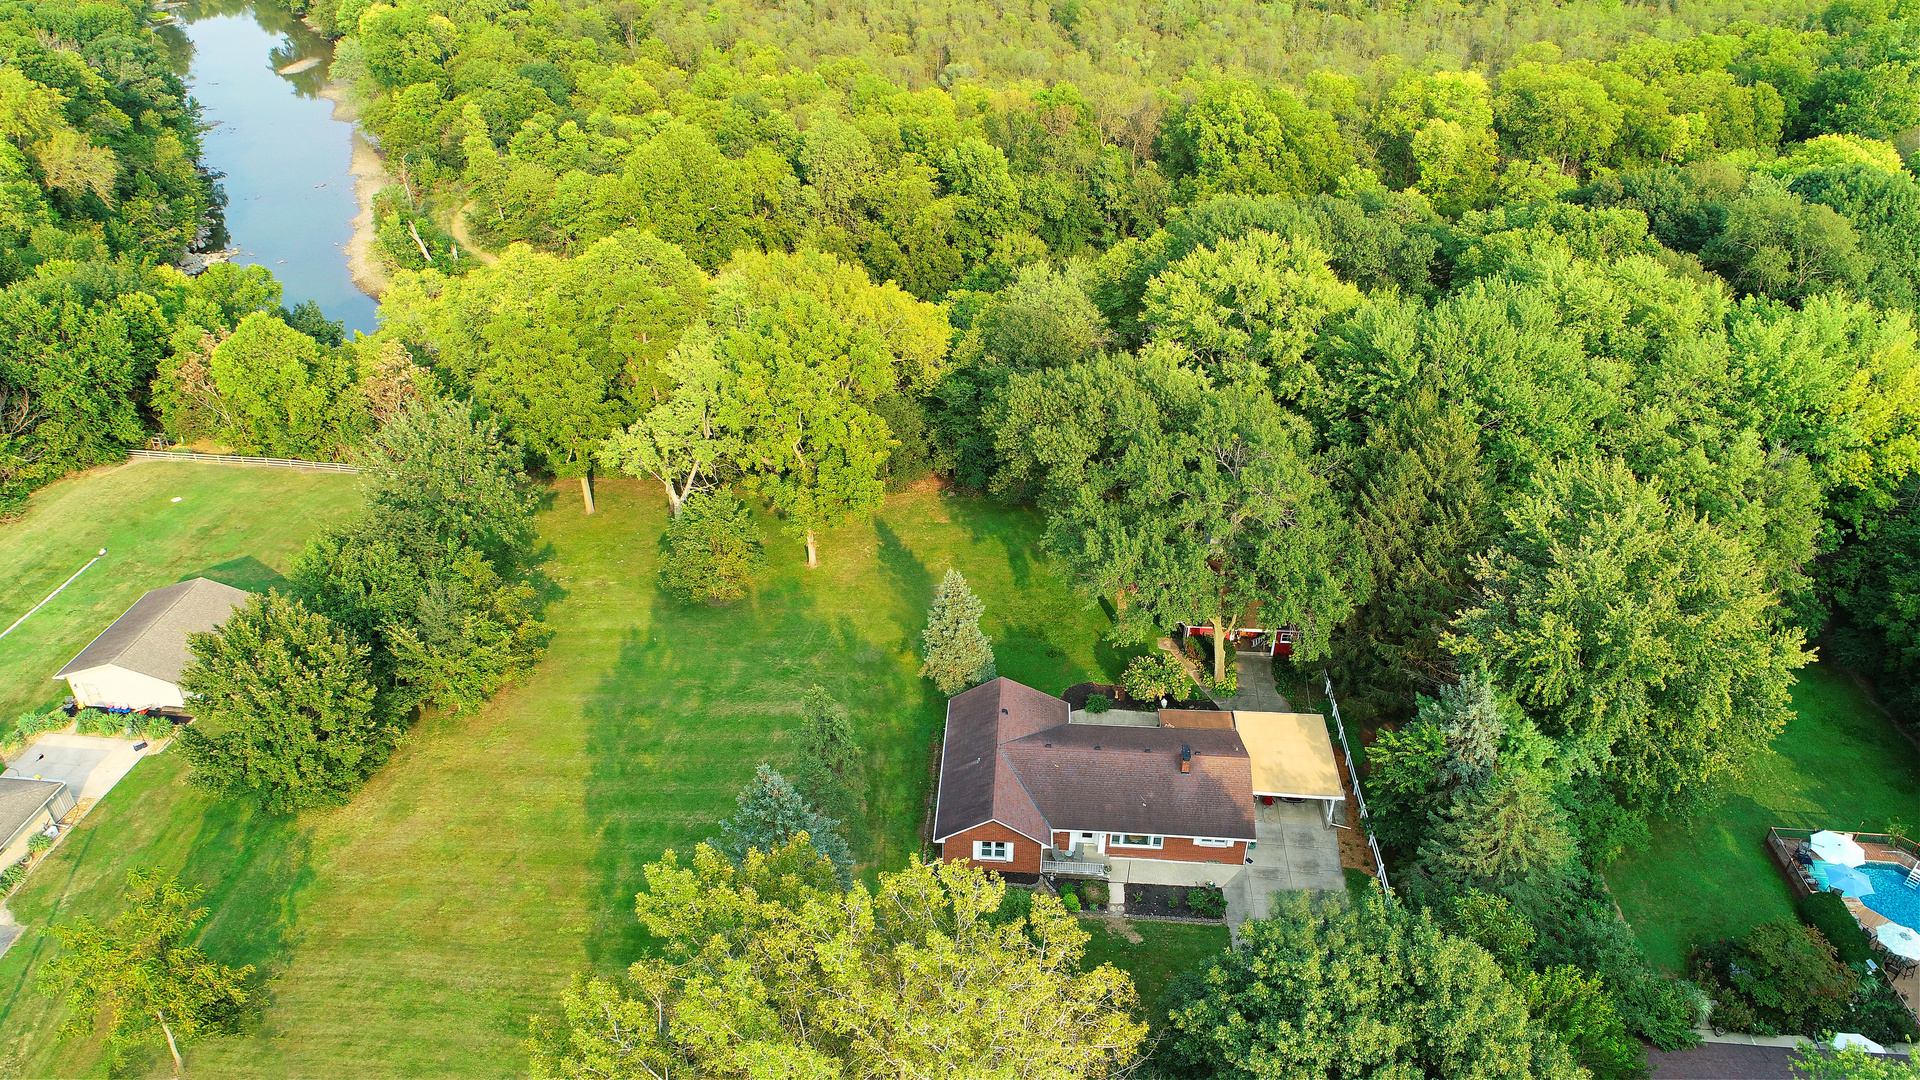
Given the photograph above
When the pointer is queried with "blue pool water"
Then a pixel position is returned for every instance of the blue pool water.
(1890, 896)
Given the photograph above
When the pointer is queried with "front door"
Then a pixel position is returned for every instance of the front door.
(1089, 845)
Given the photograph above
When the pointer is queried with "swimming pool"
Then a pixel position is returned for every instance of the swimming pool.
(1890, 896)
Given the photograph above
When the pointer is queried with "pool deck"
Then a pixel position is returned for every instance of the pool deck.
(1908, 985)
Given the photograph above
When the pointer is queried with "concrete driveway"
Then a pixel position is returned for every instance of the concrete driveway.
(88, 764)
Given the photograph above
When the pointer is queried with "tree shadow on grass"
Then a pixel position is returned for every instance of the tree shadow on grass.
(1013, 531)
(254, 867)
(685, 712)
(246, 573)
(912, 583)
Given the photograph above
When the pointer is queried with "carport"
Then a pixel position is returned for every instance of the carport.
(1292, 757)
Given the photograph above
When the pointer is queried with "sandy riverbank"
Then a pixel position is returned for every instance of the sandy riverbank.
(369, 176)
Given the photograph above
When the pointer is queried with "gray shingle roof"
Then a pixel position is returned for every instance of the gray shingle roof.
(151, 638)
(1010, 756)
(20, 799)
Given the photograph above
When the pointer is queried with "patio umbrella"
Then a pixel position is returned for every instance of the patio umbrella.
(1899, 940)
(1837, 848)
(1847, 1040)
(1849, 881)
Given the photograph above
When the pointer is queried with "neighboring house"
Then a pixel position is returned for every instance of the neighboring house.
(1021, 786)
(28, 807)
(136, 662)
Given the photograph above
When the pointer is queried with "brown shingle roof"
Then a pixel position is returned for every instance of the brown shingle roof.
(1128, 779)
(1010, 756)
(977, 784)
(151, 638)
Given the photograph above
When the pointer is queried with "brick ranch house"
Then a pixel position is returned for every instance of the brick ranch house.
(1024, 784)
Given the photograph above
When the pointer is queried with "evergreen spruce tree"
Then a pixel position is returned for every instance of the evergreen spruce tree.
(770, 814)
(829, 771)
(958, 655)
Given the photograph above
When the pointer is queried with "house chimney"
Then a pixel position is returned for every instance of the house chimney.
(1186, 759)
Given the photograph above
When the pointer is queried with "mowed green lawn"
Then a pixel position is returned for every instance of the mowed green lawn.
(1164, 952)
(1840, 764)
(414, 931)
(236, 525)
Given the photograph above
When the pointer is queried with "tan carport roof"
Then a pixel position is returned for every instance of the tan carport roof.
(1291, 754)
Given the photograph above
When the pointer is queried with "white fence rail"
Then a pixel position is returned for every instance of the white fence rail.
(1366, 821)
(231, 459)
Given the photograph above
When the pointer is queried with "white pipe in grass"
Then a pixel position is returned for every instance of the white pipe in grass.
(51, 595)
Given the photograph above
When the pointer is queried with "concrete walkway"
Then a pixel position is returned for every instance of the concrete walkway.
(1256, 692)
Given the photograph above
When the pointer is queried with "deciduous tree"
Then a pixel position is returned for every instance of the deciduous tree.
(766, 968)
(143, 972)
(1356, 991)
(713, 549)
(285, 710)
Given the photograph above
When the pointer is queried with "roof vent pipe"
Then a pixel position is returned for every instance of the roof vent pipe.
(1186, 759)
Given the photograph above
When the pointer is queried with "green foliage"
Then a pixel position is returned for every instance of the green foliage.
(1505, 832)
(1822, 1063)
(1207, 903)
(141, 974)
(771, 815)
(12, 876)
(38, 843)
(285, 708)
(282, 394)
(1098, 704)
(1491, 922)
(831, 982)
(828, 774)
(1153, 676)
(1070, 900)
(1783, 977)
(1827, 913)
(435, 467)
(957, 654)
(1634, 629)
(1211, 499)
(713, 549)
(1367, 988)
(1576, 1007)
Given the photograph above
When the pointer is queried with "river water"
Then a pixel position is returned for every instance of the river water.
(290, 201)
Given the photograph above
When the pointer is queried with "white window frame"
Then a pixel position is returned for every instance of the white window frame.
(1208, 841)
(1004, 847)
(1152, 843)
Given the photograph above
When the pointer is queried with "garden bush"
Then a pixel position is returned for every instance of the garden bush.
(1016, 905)
(95, 722)
(39, 843)
(1154, 676)
(32, 723)
(157, 728)
(1827, 913)
(713, 550)
(1070, 900)
(1782, 978)
(1094, 893)
(10, 877)
(1207, 903)
(1098, 703)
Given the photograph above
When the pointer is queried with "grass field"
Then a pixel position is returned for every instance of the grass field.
(1165, 951)
(235, 525)
(412, 932)
(1840, 764)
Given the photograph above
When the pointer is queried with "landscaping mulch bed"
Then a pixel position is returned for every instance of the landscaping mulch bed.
(1076, 697)
(1165, 902)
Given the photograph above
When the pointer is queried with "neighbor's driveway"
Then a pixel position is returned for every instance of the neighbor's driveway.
(1256, 691)
(89, 764)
